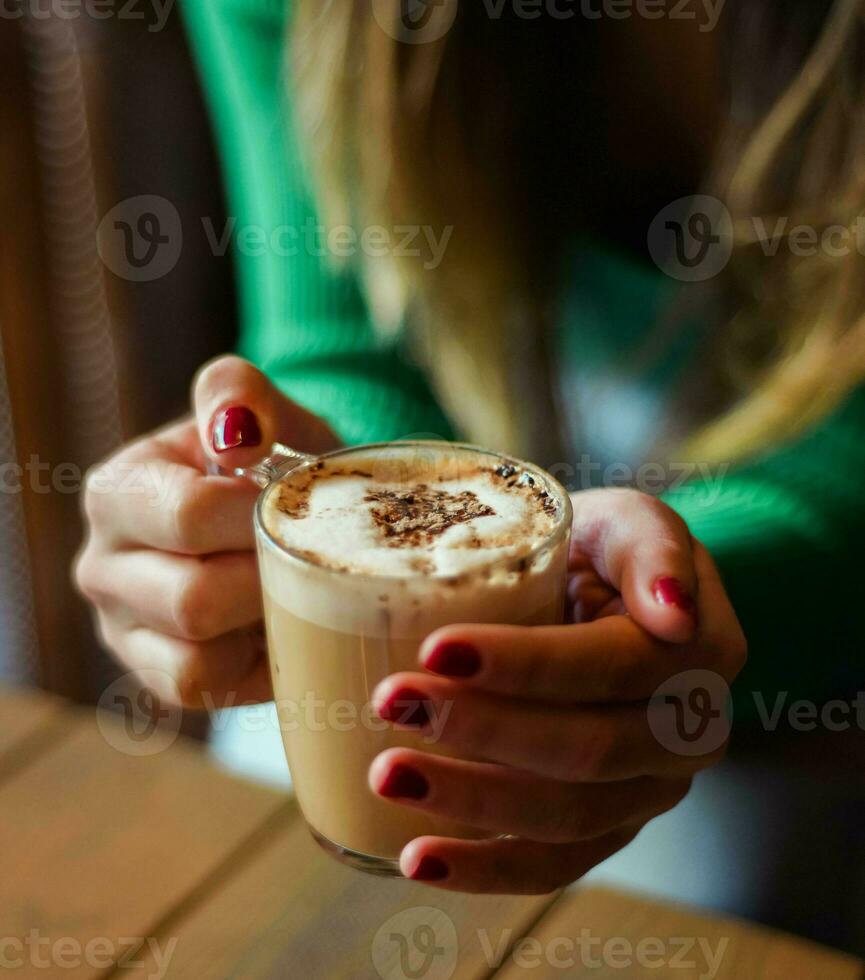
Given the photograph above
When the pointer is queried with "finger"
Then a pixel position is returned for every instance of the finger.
(176, 442)
(643, 549)
(169, 506)
(592, 743)
(720, 630)
(240, 414)
(225, 672)
(188, 598)
(611, 659)
(504, 800)
(505, 867)
(589, 597)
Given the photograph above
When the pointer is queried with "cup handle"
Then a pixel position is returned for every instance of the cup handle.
(282, 459)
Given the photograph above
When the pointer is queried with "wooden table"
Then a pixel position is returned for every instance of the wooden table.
(112, 860)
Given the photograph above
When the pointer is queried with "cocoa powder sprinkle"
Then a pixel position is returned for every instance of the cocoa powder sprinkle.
(413, 517)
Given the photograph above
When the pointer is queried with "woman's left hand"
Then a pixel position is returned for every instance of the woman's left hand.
(561, 714)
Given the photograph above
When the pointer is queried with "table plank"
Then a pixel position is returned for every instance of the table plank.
(97, 843)
(221, 879)
(295, 912)
(720, 948)
(25, 717)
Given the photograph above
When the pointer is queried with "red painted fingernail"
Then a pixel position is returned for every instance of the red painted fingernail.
(454, 660)
(430, 869)
(669, 591)
(406, 707)
(235, 427)
(404, 782)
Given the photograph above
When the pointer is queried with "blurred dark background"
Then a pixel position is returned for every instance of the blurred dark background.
(92, 113)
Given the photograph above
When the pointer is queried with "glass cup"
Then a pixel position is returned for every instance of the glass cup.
(334, 634)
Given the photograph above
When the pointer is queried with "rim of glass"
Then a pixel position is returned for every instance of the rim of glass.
(562, 526)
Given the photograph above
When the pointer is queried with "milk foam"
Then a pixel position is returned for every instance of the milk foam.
(409, 520)
(494, 549)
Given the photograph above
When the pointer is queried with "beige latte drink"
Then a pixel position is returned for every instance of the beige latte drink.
(363, 553)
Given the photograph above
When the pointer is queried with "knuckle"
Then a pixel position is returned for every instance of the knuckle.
(628, 496)
(103, 482)
(667, 547)
(670, 532)
(85, 575)
(110, 637)
(193, 607)
(664, 512)
(174, 686)
(103, 632)
(189, 683)
(96, 481)
(189, 508)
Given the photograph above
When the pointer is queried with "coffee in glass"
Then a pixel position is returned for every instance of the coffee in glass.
(364, 552)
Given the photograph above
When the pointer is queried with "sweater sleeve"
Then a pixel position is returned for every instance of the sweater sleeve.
(788, 533)
(303, 318)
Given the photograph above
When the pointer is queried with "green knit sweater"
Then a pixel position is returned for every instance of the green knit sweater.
(786, 531)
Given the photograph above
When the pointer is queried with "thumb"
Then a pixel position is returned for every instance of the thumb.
(240, 413)
(643, 549)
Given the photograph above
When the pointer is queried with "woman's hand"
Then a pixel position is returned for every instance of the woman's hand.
(561, 714)
(169, 560)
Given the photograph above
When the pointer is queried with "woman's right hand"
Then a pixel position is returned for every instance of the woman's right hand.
(169, 560)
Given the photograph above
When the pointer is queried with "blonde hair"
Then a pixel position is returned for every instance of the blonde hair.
(388, 143)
